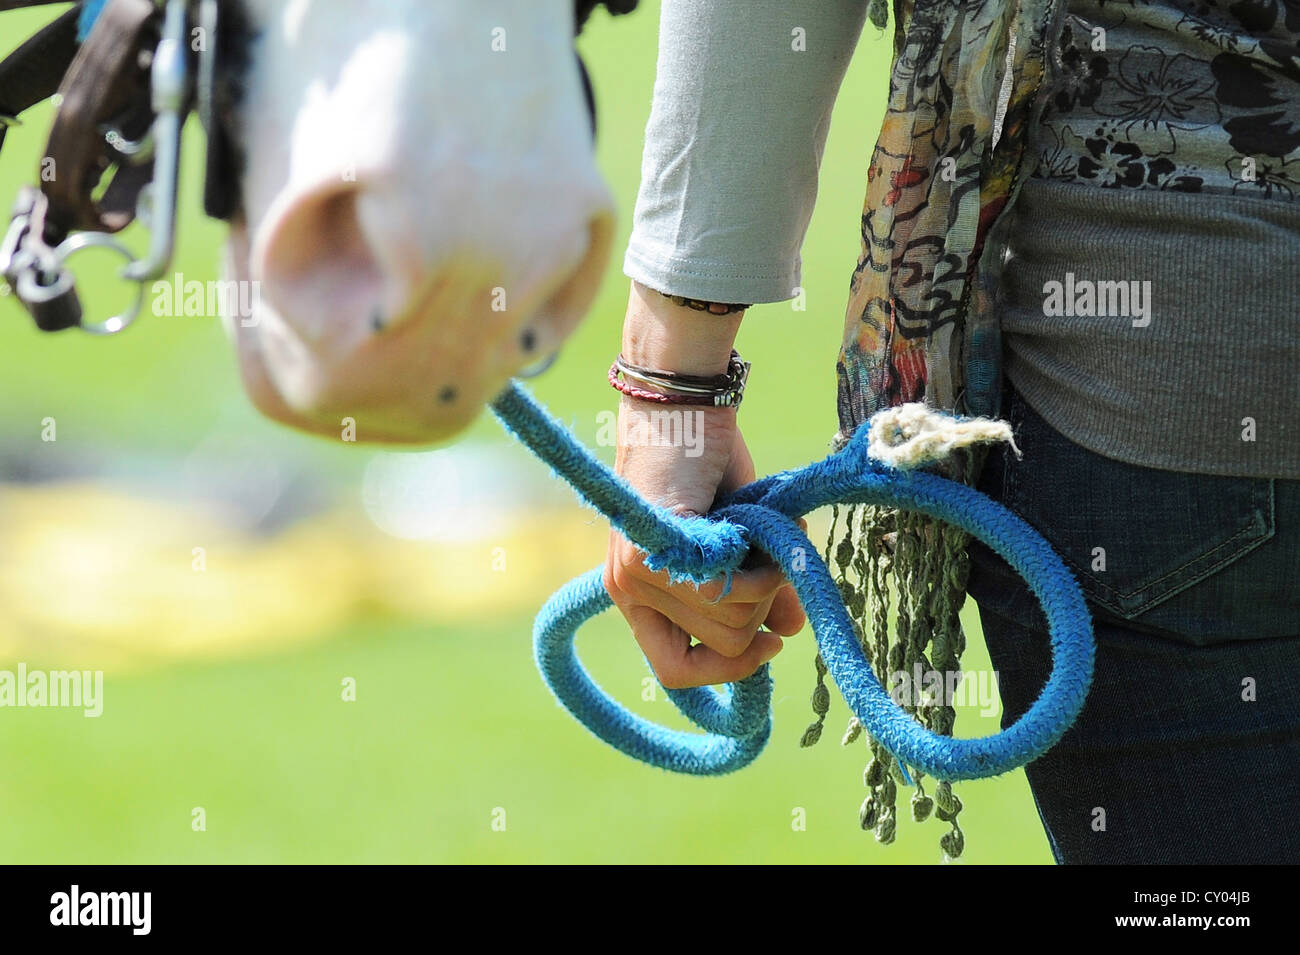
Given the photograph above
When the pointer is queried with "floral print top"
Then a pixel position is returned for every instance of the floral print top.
(1188, 95)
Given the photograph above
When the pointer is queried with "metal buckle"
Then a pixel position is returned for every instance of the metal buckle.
(11, 248)
(40, 275)
(740, 375)
(33, 270)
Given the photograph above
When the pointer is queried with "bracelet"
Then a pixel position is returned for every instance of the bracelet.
(700, 305)
(675, 388)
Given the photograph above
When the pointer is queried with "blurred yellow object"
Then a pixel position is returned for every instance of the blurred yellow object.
(93, 576)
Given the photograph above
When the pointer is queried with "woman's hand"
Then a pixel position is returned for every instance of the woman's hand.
(681, 457)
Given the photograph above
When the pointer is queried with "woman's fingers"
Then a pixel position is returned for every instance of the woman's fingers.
(679, 664)
(786, 616)
(726, 624)
(747, 586)
(726, 628)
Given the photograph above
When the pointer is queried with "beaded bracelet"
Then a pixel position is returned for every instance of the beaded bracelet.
(699, 305)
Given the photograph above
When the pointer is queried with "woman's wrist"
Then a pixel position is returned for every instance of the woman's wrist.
(657, 333)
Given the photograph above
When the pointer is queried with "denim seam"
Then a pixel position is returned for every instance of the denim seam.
(1177, 570)
(1181, 568)
(1110, 597)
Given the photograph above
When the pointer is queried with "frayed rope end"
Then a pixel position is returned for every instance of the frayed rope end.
(911, 435)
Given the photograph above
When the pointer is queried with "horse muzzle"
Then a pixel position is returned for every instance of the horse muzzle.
(364, 324)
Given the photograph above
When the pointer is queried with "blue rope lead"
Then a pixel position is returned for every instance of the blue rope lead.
(737, 719)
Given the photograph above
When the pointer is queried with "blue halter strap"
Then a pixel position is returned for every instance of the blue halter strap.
(736, 719)
(90, 12)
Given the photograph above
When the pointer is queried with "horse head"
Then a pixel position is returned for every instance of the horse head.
(421, 215)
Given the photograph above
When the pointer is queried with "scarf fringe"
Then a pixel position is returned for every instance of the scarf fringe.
(885, 559)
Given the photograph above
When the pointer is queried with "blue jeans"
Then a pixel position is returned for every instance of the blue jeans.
(1188, 749)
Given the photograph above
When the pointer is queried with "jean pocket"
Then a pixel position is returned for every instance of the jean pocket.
(1133, 536)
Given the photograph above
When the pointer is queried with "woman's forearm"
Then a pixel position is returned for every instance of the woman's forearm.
(657, 333)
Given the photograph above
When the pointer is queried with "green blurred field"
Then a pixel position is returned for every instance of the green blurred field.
(451, 723)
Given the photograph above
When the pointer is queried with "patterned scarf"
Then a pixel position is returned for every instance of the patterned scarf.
(966, 86)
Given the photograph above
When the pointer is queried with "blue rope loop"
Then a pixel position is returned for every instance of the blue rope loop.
(737, 719)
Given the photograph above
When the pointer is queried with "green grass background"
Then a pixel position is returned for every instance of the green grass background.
(451, 722)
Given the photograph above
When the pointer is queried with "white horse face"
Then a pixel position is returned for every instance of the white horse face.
(422, 211)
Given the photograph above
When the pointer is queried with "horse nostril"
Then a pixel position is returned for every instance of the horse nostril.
(370, 309)
(318, 268)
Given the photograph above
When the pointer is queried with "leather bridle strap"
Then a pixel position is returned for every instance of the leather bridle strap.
(32, 73)
(106, 83)
(20, 4)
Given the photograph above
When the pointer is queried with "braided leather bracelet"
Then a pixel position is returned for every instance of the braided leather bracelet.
(675, 388)
(699, 305)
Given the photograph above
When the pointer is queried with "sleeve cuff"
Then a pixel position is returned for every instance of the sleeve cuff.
(709, 283)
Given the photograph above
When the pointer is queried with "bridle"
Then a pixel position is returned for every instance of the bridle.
(128, 79)
(128, 75)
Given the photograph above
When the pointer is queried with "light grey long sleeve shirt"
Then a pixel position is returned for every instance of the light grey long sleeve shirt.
(742, 105)
(1148, 304)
